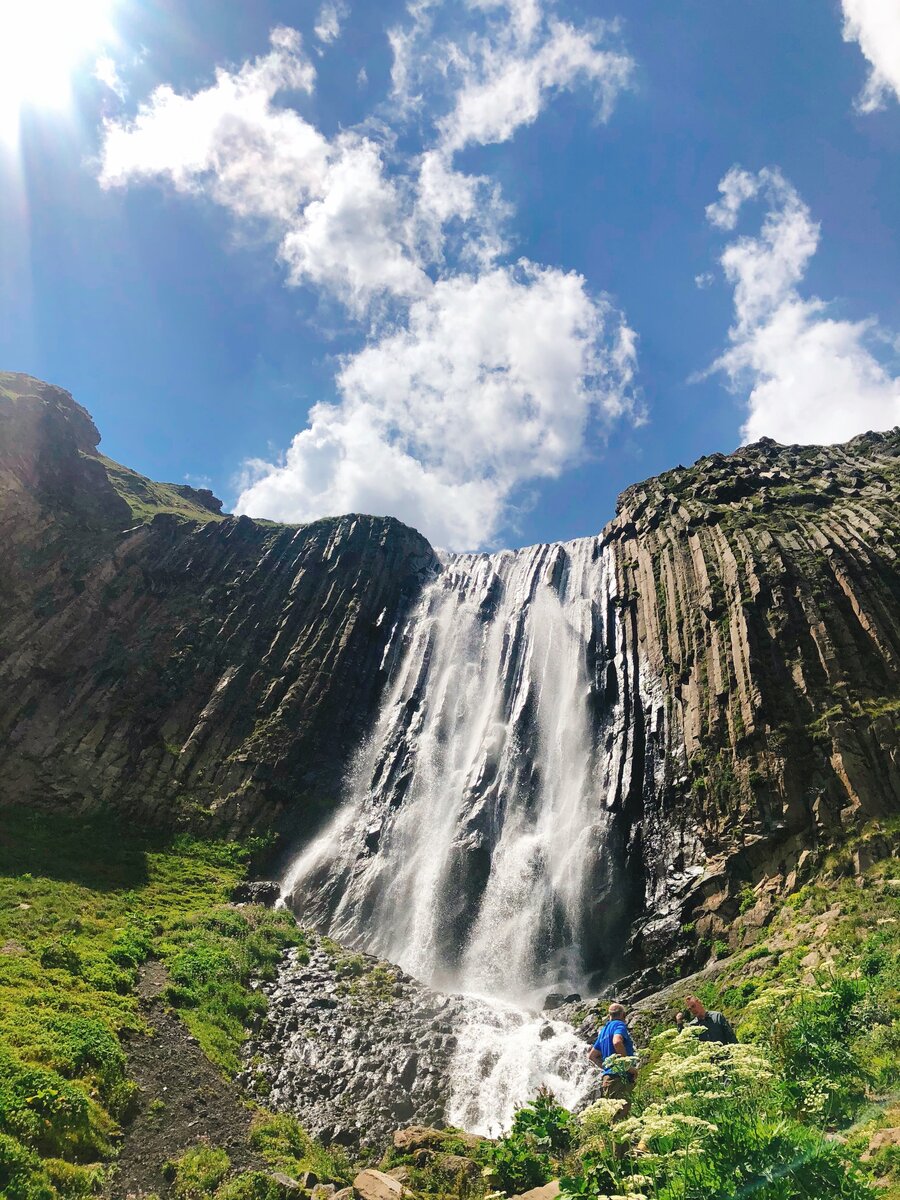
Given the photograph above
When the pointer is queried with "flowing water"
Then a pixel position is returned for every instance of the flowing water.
(474, 844)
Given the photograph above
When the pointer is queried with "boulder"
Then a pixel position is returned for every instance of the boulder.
(457, 1164)
(548, 1192)
(882, 1140)
(418, 1137)
(287, 1183)
(376, 1185)
(258, 891)
(554, 1000)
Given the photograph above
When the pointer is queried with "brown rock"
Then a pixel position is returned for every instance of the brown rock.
(548, 1192)
(376, 1185)
(289, 1184)
(457, 1164)
(418, 1137)
(401, 1174)
(879, 1141)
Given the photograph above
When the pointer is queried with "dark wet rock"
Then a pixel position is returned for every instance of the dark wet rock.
(259, 891)
(348, 1046)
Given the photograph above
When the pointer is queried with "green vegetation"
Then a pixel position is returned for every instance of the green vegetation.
(93, 905)
(709, 1122)
(793, 1113)
(542, 1131)
(146, 498)
(204, 1172)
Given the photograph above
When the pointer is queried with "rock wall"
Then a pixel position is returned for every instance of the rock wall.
(159, 658)
(763, 590)
(216, 674)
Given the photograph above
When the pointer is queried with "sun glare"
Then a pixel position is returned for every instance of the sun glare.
(44, 43)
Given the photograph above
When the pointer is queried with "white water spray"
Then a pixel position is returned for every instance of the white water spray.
(474, 844)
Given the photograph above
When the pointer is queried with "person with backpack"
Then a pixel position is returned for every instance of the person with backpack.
(614, 1041)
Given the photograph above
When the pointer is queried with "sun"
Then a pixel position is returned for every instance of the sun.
(44, 43)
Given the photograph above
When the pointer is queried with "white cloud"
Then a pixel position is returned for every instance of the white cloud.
(328, 24)
(494, 381)
(353, 238)
(477, 378)
(811, 377)
(445, 197)
(499, 77)
(228, 140)
(507, 87)
(875, 25)
(337, 218)
(106, 71)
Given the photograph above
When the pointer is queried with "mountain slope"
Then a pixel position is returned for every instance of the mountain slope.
(187, 667)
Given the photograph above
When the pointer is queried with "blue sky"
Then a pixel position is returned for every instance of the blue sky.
(517, 255)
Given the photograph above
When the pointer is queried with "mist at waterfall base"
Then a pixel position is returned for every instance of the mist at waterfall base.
(473, 844)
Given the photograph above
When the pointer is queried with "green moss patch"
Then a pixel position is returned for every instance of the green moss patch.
(82, 906)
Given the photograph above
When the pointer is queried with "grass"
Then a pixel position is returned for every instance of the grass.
(93, 904)
(83, 904)
(146, 498)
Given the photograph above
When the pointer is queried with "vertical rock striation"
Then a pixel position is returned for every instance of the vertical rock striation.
(215, 673)
(713, 682)
(763, 590)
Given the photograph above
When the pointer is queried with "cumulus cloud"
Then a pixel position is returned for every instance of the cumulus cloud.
(811, 377)
(875, 25)
(494, 380)
(336, 216)
(477, 377)
(507, 87)
(500, 78)
(328, 25)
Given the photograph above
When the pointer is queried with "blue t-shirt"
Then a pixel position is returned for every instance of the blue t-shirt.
(604, 1042)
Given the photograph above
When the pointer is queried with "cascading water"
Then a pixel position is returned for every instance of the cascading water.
(476, 846)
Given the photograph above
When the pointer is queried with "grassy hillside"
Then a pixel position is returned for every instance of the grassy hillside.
(82, 906)
(805, 1109)
(146, 498)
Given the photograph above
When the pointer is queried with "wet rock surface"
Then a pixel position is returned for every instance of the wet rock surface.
(352, 1046)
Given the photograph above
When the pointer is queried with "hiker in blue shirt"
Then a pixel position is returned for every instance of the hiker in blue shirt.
(614, 1039)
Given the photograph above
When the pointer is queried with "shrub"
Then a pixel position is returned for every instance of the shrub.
(255, 1185)
(522, 1158)
(22, 1175)
(61, 955)
(710, 1124)
(198, 1172)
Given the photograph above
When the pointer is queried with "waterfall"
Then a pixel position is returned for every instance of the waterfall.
(477, 844)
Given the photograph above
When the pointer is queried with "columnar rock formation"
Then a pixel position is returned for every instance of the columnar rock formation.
(763, 588)
(162, 659)
(215, 673)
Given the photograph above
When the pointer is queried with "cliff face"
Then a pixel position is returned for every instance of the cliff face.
(763, 590)
(213, 671)
(158, 657)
